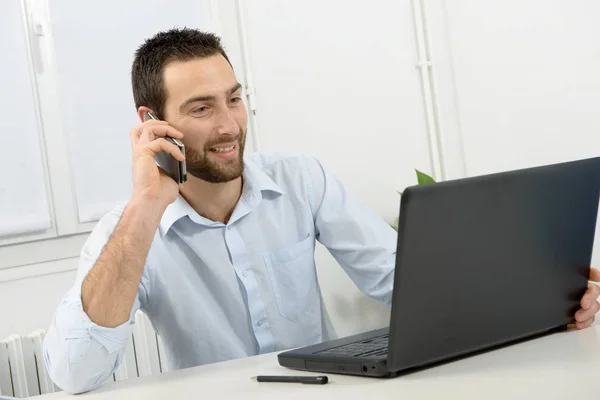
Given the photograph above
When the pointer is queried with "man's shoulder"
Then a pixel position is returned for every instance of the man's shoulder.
(281, 162)
(102, 232)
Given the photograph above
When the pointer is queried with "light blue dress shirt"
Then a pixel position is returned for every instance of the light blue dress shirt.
(216, 291)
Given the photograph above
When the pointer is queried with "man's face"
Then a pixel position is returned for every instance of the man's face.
(204, 102)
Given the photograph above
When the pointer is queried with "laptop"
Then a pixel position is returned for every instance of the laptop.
(481, 263)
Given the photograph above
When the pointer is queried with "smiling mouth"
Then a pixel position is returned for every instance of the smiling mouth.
(222, 149)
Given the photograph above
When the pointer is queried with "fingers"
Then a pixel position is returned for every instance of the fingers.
(149, 130)
(594, 275)
(136, 132)
(149, 133)
(586, 323)
(590, 296)
(584, 314)
(159, 145)
(590, 306)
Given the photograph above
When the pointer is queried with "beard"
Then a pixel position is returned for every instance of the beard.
(200, 165)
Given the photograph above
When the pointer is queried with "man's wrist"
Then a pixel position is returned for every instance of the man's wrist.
(151, 209)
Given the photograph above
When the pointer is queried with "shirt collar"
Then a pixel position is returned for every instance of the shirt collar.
(256, 182)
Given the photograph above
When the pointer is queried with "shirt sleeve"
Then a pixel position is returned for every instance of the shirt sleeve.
(79, 354)
(361, 242)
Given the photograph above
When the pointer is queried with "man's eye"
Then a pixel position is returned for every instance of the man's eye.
(199, 109)
(236, 100)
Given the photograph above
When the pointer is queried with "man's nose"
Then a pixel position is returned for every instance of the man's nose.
(227, 124)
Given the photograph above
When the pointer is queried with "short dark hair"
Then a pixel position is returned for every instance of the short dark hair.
(157, 52)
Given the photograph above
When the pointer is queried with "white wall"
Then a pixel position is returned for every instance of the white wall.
(30, 294)
(350, 94)
(527, 81)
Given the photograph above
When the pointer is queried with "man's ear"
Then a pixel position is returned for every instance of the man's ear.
(142, 112)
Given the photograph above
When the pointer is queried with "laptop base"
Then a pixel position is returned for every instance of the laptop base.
(309, 359)
(299, 359)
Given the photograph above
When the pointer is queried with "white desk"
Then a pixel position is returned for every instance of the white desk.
(560, 366)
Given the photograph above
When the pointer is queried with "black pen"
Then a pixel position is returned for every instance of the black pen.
(309, 380)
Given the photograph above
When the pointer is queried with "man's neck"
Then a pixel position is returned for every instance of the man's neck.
(215, 201)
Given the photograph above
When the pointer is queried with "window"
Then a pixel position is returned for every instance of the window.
(67, 157)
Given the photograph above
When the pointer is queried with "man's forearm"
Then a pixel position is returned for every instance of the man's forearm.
(111, 286)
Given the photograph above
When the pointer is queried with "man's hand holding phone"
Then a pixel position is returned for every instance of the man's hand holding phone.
(149, 181)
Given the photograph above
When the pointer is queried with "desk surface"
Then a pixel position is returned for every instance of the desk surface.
(559, 366)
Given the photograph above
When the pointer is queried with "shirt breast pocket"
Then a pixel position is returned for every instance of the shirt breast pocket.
(294, 280)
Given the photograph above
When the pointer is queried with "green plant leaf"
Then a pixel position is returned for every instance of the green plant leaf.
(400, 193)
(423, 178)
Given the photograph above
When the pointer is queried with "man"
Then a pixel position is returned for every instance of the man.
(223, 265)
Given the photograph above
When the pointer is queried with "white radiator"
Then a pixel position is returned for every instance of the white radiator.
(23, 372)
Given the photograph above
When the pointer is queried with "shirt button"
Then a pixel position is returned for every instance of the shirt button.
(260, 322)
(245, 273)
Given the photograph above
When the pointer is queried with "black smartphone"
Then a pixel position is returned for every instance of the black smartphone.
(174, 168)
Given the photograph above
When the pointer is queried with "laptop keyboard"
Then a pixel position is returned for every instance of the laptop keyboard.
(373, 347)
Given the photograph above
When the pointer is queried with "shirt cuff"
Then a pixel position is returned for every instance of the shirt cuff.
(82, 327)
